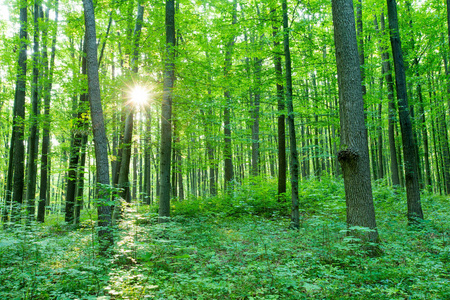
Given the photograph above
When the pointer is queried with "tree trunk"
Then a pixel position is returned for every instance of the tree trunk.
(78, 133)
(281, 125)
(80, 177)
(123, 182)
(33, 141)
(147, 158)
(294, 165)
(354, 156)
(448, 37)
(99, 133)
(45, 166)
(387, 71)
(166, 114)
(255, 117)
(17, 140)
(412, 183)
(227, 151)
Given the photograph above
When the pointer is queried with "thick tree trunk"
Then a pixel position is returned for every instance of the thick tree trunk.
(354, 157)
(99, 133)
(294, 164)
(166, 114)
(19, 114)
(412, 183)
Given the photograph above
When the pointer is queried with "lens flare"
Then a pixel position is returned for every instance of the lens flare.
(139, 95)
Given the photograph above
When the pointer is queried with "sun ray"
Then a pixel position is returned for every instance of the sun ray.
(138, 95)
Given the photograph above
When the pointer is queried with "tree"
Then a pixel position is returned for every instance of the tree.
(33, 140)
(227, 150)
(409, 150)
(123, 181)
(387, 71)
(15, 180)
(75, 147)
(98, 129)
(166, 113)
(294, 164)
(281, 120)
(354, 155)
(48, 74)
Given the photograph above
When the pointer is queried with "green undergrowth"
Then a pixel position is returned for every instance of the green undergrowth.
(237, 247)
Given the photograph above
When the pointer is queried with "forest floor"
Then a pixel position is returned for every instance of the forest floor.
(236, 247)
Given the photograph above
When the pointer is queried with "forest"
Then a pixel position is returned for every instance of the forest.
(224, 149)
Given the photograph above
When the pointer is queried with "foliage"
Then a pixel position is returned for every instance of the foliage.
(256, 196)
(245, 252)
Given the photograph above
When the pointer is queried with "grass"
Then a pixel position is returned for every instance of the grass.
(237, 247)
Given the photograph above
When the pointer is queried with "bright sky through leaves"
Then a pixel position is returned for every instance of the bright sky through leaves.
(139, 95)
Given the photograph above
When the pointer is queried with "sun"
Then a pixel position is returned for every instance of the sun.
(139, 95)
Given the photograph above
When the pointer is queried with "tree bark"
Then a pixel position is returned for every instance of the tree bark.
(17, 140)
(412, 183)
(387, 71)
(281, 124)
(255, 117)
(33, 141)
(45, 166)
(227, 151)
(294, 164)
(99, 133)
(124, 172)
(78, 134)
(124, 183)
(354, 156)
(166, 114)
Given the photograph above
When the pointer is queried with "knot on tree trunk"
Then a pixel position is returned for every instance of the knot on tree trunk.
(347, 155)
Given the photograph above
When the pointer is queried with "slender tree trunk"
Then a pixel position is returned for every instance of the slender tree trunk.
(360, 38)
(45, 166)
(135, 175)
(381, 171)
(412, 183)
(33, 141)
(166, 113)
(281, 130)
(255, 117)
(387, 71)
(354, 157)
(99, 133)
(147, 158)
(78, 132)
(124, 183)
(448, 37)
(80, 177)
(294, 164)
(444, 132)
(380, 138)
(227, 151)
